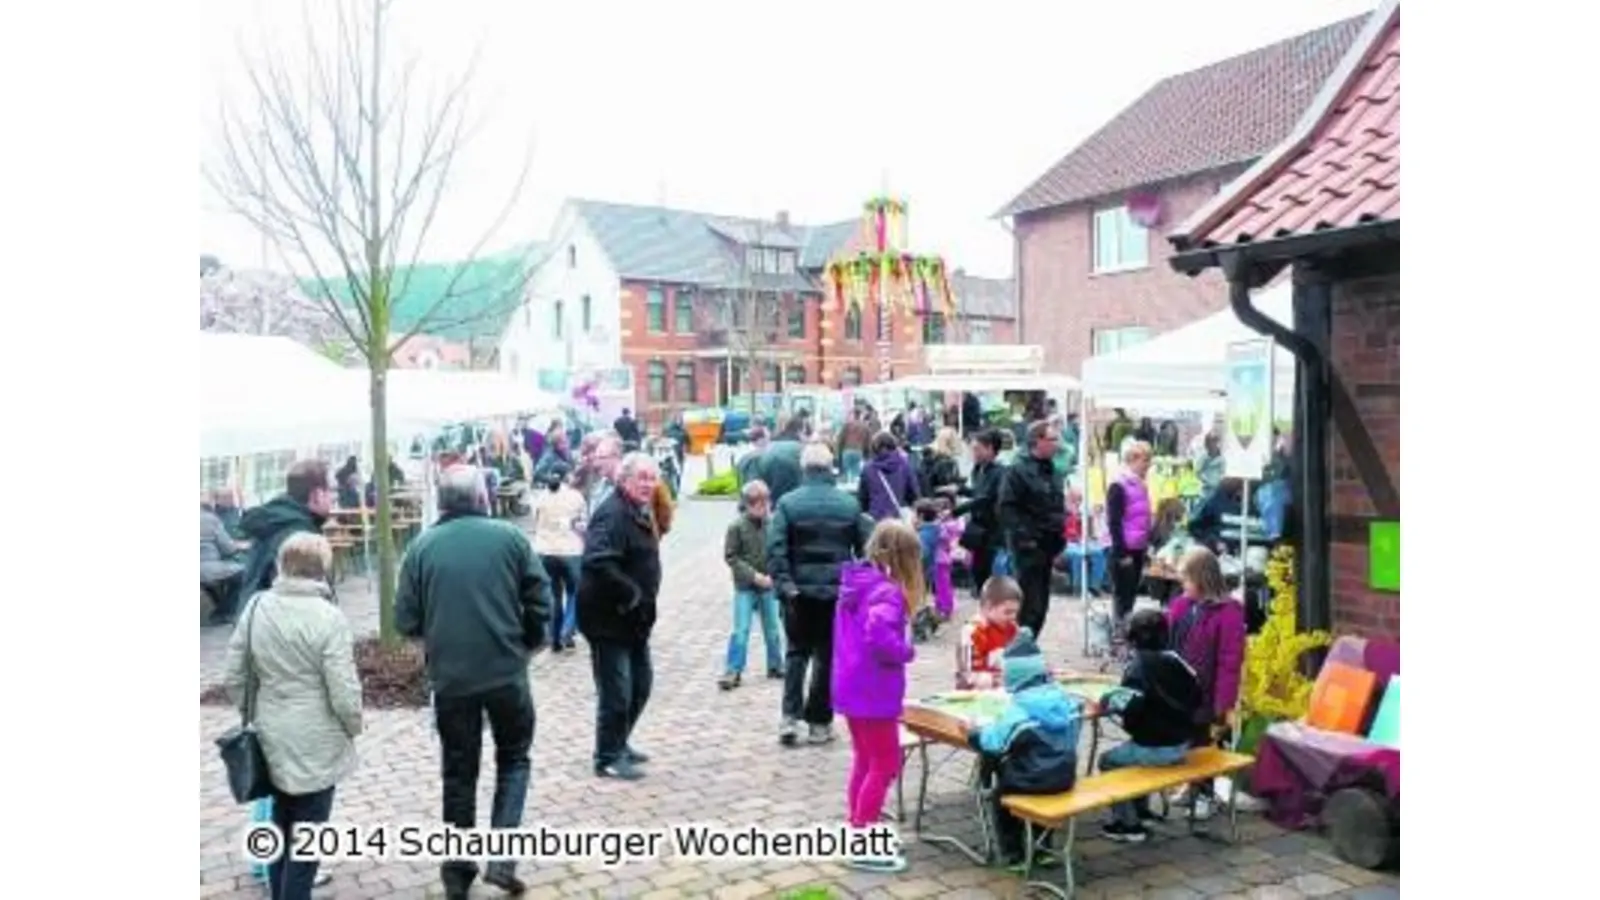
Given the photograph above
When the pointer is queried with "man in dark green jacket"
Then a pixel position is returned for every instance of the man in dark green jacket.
(475, 592)
(303, 506)
(815, 530)
(780, 463)
(745, 550)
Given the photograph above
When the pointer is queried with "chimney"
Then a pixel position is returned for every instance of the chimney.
(783, 218)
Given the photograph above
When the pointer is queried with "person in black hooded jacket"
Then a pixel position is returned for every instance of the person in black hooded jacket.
(1159, 701)
(303, 506)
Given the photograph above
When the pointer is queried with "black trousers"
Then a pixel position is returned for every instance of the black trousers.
(808, 624)
(225, 591)
(982, 567)
(1033, 576)
(1127, 573)
(623, 676)
(509, 709)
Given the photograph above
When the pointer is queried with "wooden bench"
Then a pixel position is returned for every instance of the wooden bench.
(1053, 811)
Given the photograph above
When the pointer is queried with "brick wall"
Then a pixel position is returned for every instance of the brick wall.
(1063, 301)
(824, 352)
(1365, 344)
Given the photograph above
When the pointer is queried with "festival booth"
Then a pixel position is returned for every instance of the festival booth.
(266, 394)
(1189, 370)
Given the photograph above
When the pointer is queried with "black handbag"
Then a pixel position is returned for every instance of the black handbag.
(241, 746)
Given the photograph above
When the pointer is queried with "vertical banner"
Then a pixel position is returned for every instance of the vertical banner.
(1247, 443)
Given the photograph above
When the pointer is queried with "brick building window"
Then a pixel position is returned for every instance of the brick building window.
(655, 311)
(852, 377)
(979, 331)
(1119, 242)
(933, 327)
(794, 375)
(658, 381)
(683, 383)
(683, 311)
(852, 324)
(586, 310)
(770, 379)
(1110, 340)
(797, 317)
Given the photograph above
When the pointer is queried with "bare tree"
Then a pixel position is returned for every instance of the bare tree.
(330, 158)
(749, 316)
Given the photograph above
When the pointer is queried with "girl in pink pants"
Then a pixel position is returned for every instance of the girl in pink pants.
(871, 650)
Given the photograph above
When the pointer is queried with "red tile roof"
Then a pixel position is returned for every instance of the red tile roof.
(1342, 166)
(1227, 113)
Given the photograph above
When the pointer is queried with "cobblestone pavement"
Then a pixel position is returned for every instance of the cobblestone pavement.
(716, 758)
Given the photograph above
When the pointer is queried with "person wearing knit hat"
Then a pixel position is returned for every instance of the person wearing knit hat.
(1032, 747)
(1022, 665)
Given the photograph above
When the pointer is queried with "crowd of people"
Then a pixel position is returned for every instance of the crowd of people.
(838, 580)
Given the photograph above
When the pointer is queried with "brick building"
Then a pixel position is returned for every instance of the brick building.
(1088, 254)
(701, 307)
(1326, 203)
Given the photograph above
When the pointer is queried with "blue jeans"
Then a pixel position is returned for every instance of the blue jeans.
(746, 602)
(851, 459)
(563, 572)
(1129, 754)
(1097, 566)
(292, 880)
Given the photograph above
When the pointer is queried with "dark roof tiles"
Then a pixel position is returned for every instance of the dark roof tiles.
(1226, 113)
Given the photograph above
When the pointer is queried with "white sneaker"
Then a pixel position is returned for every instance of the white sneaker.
(1203, 808)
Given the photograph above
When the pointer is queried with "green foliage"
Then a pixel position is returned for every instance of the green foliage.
(722, 484)
(810, 893)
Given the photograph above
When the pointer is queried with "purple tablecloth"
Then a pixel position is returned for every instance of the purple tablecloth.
(1297, 767)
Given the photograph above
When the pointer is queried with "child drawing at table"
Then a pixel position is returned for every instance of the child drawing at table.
(985, 638)
(1032, 747)
(870, 655)
(1157, 702)
(1207, 628)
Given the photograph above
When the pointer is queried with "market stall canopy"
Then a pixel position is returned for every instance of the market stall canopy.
(1186, 368)
(985, 382)
(421, 400)
(263, 394)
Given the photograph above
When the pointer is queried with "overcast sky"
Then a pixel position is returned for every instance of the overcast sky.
(749, 108)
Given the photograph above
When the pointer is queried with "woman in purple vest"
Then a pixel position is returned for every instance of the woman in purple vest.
(1128, 518)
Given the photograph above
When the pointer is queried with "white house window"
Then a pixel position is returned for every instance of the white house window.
(1110, 340)
(555, 320)
(786, 262)
(979, 331)
(769, 260)
(572, 256)
(752, 259)
(1119, 242)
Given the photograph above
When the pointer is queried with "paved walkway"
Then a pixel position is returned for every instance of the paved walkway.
(716, 758)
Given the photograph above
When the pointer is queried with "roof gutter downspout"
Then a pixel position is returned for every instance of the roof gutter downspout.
(1309, 448)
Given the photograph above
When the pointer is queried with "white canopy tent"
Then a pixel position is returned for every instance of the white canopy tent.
(1187, 368)
(264, 394)
(986, 381)
(421, 400)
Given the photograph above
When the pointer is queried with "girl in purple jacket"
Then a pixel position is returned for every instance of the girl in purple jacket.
(871, 649)
(1208, 630)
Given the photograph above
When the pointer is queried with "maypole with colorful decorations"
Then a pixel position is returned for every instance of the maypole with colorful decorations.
(889, 276)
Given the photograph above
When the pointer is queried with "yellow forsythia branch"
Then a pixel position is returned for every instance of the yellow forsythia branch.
(1273, 686)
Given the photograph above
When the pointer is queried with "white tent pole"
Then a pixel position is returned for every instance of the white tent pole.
(1084, 511)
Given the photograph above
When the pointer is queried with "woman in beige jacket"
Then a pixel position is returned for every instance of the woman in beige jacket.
(297, 648)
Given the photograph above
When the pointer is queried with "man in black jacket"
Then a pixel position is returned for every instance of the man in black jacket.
(1033, 518)
(477, 595)
(617, 589)
(814, 531)
(982, 535)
